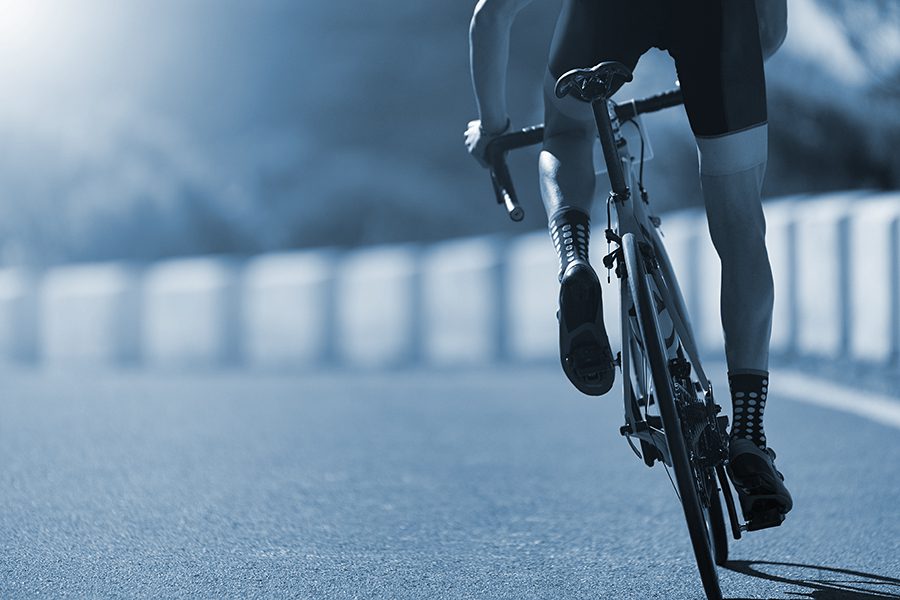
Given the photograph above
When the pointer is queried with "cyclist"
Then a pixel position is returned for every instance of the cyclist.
(719, 47)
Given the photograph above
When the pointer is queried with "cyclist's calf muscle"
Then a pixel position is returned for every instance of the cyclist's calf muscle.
(732, 168)
(566, 164)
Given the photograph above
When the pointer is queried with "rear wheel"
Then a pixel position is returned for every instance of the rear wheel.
(698, 517)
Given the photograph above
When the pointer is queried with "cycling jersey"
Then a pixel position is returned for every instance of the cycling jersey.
(715, 44)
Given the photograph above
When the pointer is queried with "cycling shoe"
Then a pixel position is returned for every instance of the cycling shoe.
(583, 344)
(760, 486)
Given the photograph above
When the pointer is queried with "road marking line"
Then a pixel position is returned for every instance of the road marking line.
(811, 390)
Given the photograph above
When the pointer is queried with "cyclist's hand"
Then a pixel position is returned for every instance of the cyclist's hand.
(477, 140)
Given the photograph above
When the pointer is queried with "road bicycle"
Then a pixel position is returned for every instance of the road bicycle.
(671, 416)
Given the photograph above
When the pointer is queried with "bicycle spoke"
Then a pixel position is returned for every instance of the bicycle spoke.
(672, 481)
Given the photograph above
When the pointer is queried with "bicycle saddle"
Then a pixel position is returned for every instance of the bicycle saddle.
(597, 83)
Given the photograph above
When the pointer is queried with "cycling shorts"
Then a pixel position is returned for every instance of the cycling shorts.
(715, 44)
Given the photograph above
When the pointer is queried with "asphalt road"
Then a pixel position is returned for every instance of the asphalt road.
(504, 484)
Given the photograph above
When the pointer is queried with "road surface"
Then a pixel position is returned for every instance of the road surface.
(437, 484)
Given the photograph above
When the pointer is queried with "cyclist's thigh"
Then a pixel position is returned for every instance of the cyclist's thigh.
(565, 117)
(591, 31)
(717, 52)
(772, 17)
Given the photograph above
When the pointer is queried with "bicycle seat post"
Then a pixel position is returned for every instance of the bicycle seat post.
(596, 86)
(610, 152)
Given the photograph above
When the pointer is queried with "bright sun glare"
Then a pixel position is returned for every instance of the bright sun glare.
(21, 22)
(34, 39)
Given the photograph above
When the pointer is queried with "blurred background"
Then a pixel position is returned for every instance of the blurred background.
(137, 130)
(223, 182)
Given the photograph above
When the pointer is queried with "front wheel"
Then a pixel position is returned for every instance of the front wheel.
(654, 352)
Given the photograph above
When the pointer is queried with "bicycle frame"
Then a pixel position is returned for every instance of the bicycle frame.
(633, 220)
(632, 216)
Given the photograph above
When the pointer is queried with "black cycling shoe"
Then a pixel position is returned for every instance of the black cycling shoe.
(583, 344)
(760, 486)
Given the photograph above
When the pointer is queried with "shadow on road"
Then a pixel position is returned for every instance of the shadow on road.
(825, 583)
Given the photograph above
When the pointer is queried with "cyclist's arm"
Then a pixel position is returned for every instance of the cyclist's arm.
(772, 16)
(489, 55)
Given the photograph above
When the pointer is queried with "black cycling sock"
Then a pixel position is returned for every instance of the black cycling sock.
(570, 230)
(748, 399)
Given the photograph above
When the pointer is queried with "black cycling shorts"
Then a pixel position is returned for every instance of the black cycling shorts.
(715, 44)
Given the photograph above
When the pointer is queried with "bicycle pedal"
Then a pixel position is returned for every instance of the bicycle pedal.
(764, 520)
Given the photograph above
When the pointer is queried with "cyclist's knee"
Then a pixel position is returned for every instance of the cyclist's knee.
(732, 168)
(733, 152)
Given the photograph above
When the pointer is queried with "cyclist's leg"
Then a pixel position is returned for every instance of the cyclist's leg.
(567, 187)
(717, 50)
(566, 166)
(586, 33)
(732, 168)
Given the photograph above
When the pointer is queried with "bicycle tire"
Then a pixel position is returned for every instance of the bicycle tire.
(654, 351)
(714, 513)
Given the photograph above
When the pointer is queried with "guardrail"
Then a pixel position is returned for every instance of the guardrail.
(836, 262)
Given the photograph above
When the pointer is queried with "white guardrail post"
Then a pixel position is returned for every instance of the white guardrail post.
(873, 284)
(379, 307)
(822, 276)
(463, 302)
(288, 310)
(18, 316)
(90, 315)
(192, 313)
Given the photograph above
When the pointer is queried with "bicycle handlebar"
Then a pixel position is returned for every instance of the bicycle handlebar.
(500, 177)
(633, 108)
(499, 147)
